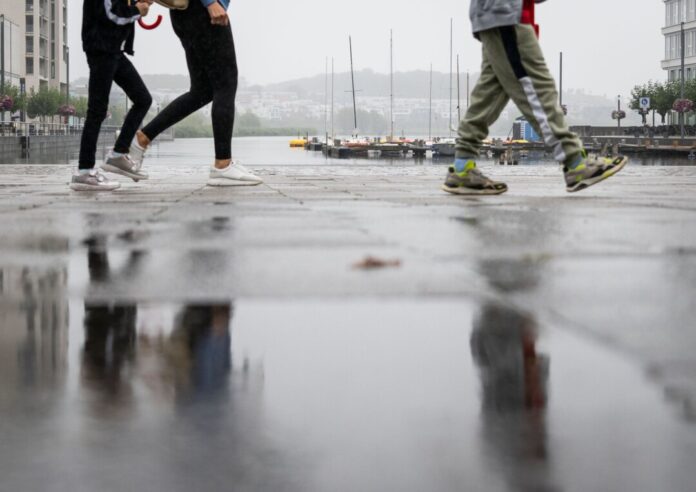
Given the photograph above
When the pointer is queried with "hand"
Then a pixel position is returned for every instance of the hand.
(143, 8)
(218, 15)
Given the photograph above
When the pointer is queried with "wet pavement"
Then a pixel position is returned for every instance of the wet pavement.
(176, 337)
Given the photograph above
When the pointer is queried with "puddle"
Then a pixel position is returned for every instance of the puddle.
(316, 395)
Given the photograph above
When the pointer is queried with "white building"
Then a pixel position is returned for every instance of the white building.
(34, 36)
(676, 13)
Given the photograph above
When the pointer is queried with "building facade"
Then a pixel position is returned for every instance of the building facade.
(33, 42)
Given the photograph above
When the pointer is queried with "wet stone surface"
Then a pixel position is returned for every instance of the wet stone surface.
(175, 337)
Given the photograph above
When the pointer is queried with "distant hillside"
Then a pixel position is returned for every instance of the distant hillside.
(408, 85)
(156, 82)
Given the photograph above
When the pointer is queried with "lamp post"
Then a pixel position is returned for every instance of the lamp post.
(2, 62)
(618, 119)
(681, 78)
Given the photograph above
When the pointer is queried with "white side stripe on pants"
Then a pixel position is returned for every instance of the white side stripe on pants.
(543, 121)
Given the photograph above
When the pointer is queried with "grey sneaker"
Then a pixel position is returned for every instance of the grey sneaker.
(137, 154)
(93, 181)
(591, 171)
(123, 165)
(472, 183)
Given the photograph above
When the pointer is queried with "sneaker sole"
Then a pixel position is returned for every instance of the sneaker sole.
(117, 170)
(471, 192)
(583, 185)
(222, 182)
(83, 187)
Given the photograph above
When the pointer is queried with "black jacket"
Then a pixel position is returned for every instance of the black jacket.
(108, 26)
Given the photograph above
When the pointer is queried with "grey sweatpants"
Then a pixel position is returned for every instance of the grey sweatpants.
(514, 68)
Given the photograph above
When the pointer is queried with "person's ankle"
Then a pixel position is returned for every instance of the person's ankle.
(142, 139)
(574, 161)
(222, 164)
(463, 165)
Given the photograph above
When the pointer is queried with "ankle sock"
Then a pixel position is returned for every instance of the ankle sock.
(84, 171)
(463, 166)
(574, 161)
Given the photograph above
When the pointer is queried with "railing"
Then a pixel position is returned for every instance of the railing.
(23, 129)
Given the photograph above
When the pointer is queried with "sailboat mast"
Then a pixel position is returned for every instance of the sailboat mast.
(451, 69)
(352, 80)
(326, 99)
(391, 83)
(332, 98)
(430, 107)
(459, 103)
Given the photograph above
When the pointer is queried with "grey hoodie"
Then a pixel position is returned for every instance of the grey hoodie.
(488, 14)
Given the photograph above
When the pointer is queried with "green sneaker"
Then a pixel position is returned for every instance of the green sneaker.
(472, 182)
(591, 171)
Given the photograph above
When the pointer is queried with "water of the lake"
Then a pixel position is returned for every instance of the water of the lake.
(275, 151)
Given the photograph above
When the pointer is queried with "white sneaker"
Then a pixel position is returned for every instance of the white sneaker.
(233, 175)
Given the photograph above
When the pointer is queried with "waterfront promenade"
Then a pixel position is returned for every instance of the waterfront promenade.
(531, 341)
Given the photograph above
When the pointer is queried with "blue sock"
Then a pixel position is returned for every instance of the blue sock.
(574, 162)
(464, 165)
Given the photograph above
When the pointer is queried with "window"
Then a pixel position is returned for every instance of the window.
(30, 24)
(30, 65)
(692, 10)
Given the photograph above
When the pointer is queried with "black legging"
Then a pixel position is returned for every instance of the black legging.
(212, 66)
(104, 70)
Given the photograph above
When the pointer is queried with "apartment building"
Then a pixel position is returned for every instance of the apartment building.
(33, 43)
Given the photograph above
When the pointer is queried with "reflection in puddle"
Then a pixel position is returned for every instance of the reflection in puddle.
(189, 357)
(34, 332)
(514, 379)
(339, 395)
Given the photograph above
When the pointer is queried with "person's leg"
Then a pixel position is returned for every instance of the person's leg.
(102, 68)
(488, 100)
(128, 79)
(199, 94)
(519, 65)
(221, 69)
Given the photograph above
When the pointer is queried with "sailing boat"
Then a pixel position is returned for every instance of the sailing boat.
(445, 146)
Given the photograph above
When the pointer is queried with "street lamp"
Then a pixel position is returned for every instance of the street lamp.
(619, 110)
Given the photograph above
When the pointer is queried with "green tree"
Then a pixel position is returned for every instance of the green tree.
(20, 100)
(43, 103)
(369, 122)
(194, 126)
(665, 95)
(248, 120)
(80, 105)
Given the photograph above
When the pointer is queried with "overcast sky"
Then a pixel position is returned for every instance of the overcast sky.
(608, 45)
